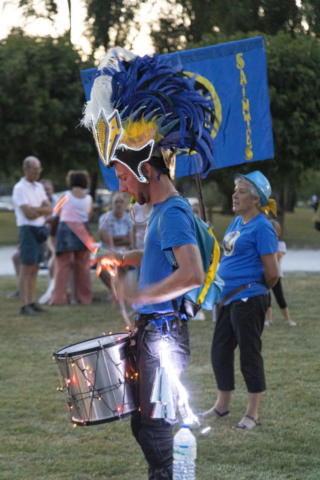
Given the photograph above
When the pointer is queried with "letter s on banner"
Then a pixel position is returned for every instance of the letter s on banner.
(240, 61)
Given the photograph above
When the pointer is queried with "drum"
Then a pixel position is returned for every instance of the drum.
(98, 377)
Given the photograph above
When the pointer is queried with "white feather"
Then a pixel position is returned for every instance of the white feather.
(102, 88)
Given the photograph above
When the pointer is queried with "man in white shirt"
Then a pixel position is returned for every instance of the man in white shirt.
(31, 204)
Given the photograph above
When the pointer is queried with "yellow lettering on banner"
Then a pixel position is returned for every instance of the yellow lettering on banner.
(249, 153)
(247, 117)
(240, 61)
(245, 106)
(243, 78)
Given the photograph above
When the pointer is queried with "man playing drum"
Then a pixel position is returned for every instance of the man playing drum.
(158, 111)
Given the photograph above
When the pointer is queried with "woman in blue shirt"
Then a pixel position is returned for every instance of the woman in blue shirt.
(249, 269)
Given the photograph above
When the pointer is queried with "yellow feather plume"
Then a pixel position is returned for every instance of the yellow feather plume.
(138, 133)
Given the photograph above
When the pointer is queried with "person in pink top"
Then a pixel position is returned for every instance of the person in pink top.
(70, 249)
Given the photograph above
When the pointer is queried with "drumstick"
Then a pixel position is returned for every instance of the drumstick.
(114, 291)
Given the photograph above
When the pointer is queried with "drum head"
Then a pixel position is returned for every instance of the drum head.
(92, 345)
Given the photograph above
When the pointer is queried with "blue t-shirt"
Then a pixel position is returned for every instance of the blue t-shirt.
(241, 262)
(177, 229)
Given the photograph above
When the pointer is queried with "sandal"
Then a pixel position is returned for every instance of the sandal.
(241, 426)
(213, 412)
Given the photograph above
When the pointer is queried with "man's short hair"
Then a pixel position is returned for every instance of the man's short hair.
(28, 161)
(157, 162)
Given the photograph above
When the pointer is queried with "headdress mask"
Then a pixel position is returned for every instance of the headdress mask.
(140, 106)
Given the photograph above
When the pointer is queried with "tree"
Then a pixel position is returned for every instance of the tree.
(41, 102)
(48, 9)
(293, 66)
(184, 21)
(311, 12)
(110, 22)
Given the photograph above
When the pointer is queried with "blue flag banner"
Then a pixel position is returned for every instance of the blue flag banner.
(236, 76)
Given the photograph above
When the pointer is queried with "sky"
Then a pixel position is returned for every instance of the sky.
(11, 17)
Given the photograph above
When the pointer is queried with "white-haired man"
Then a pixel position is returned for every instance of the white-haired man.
(31, 205)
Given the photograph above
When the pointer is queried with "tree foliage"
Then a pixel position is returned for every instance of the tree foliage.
(110, 22)
(184, 21)
(30, 8)
(41, 101)
(311, 12)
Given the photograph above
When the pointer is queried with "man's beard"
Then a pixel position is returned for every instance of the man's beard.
(143, 194)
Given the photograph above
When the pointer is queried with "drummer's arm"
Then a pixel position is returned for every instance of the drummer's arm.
(132, 257)
(189, 275)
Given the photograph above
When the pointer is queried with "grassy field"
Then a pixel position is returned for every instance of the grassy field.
(299, 228)
(37, 442)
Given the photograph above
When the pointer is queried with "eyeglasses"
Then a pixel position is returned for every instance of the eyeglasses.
(36, 169)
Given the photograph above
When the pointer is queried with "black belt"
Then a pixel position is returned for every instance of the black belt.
(236, 291)
(167, 325)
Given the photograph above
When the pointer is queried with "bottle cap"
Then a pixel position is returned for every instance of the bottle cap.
(184, 425)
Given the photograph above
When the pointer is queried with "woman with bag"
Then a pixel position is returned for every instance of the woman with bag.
(70, 250)
(249, 269)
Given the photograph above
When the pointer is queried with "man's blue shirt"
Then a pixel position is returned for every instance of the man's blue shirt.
(177, 229)
(241, 262)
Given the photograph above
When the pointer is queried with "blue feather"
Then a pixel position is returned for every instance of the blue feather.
(148, 84)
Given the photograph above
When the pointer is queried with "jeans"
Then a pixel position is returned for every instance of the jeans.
(154, 435)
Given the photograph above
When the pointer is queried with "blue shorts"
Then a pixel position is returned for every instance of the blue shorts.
(31, 251)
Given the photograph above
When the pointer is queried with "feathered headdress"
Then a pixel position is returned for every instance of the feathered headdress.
(141, 106)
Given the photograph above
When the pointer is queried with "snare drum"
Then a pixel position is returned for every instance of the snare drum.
(98, 377)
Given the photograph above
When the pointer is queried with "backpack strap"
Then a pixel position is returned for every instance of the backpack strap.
(212, 269)
(169, 254)
(173, 262)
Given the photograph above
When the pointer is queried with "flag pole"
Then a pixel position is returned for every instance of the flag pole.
(200, 197)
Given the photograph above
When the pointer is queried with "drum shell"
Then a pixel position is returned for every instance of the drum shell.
(98, 384)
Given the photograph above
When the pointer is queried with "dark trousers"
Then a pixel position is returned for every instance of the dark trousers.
(278, 293)
(155, 435)
(240, 323)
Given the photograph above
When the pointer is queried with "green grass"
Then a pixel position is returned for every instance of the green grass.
(299, 228)
(37, 442)
(8, 229)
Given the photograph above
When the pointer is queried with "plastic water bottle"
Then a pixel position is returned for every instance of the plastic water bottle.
(184, 454)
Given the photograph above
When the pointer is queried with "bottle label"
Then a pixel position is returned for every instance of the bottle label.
(185, 452)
